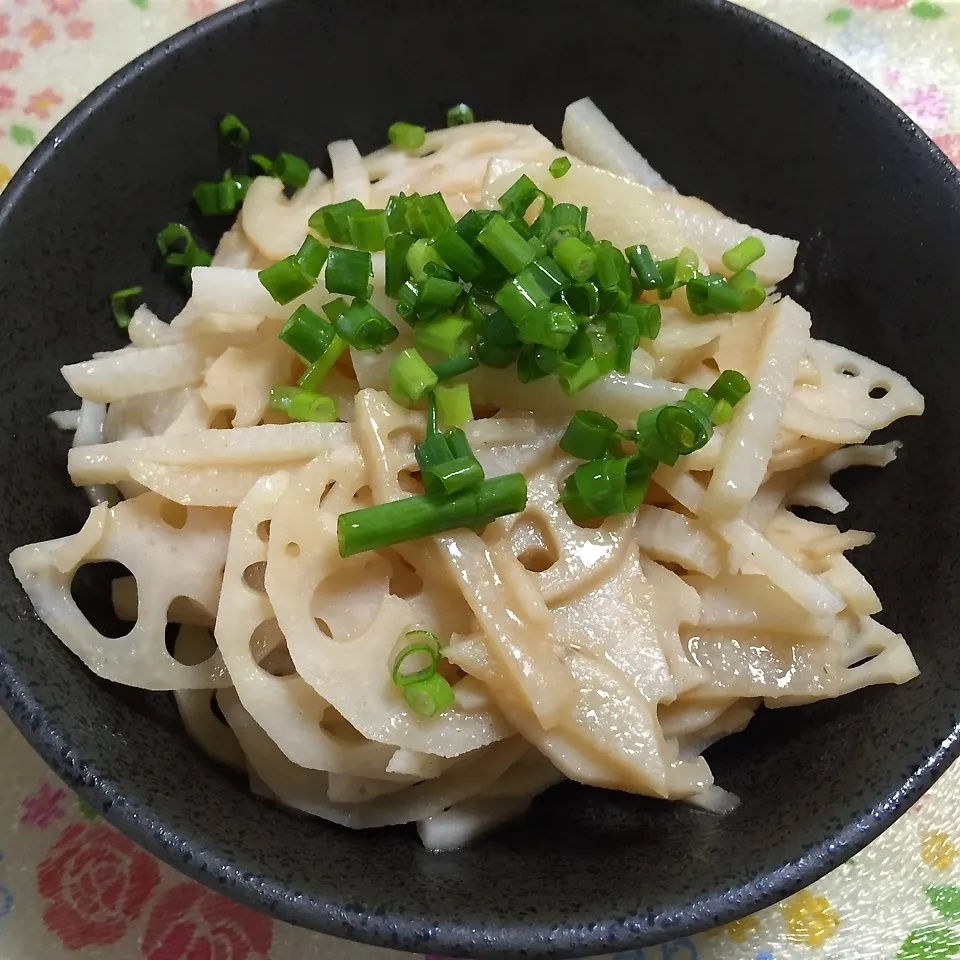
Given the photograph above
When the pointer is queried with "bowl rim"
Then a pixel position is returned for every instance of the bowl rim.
(353, 922)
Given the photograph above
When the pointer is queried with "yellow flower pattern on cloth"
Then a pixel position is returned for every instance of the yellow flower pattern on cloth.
(937, 850)
(810, 919)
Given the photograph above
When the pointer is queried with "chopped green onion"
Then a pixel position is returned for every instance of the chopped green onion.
(429, 697)
(396, 248)
(688, 263)
(644, 266)
(264, 163)
(753, 297)
(701, 400)
(333, 220)
(439, 293)
(406, 136)
(286, 280)
(348, 271)
(428, 216)
(649, 440)
(294, 171)
(334, 309)
(411, 378)
(547, 274)
(429, 646)
(740, 257)
(397, 213)
(506, 245)
(731, 386)
(610, 264)
(447, 334)
(722, 412)
(559, 167)
(519, 196)
(189, 255)
(458, 115)
(625, 329)
(589, 435)
(411, 518)
(454, 367)
(712, 294)
(519, 296)
(364, 327)
(495, 354)
(683, 428)
(118, 303)
(471, 223)
(607, 486)
(308, 334)
(528, 367)
(302, 405)
(453, 476)
(311, 256)
(579, 261)
(742, 280)
(583, 299)
(317, 371)
(551, 325)
(215, 199)
(453, 404)
(458, 255)
(234, 131)
(369, 229)
(421, 253)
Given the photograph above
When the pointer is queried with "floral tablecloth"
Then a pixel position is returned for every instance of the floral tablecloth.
(69, 882)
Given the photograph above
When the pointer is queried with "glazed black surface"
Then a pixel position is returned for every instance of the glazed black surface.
(727, 106)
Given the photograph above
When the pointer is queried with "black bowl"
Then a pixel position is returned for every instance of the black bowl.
(728, 106)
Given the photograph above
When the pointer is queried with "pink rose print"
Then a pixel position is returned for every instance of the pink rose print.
(4, 24)
(949, 143)
(7, 96)
(95, 882)
(44, 807)
(37, 32)
(198, 9)
(9, 59)
(926, 104)
(192, 923)
(40, 104)
(62, 6)
(80, 29)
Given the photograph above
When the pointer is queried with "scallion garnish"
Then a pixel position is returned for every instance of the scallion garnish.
(428, 216)
(348, 271)
(559, 167)
(454, 367)
(369, 229)
(507, 247)
(307, 334)
(551, 325)
(333, 220)
(437, 292)
(317, 371)
(683, 427)
(120, 307)
(453, 404)
(519, 196)
(740, 257)
(411, 518)
(608, 486)
(429, 697)
(644, 266)
(458, 255)
(396, 248)
(459, 115)
(447, 334)
(411, 378)
(576, 258)
(589, 435)
(429, 647)
(234, 131)
(294, 171)
(363, 326)
(311, 256)
(406, 136)
(731, 386)
(303, 405)
(286, 280)
(264, 163)
(179, 249)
